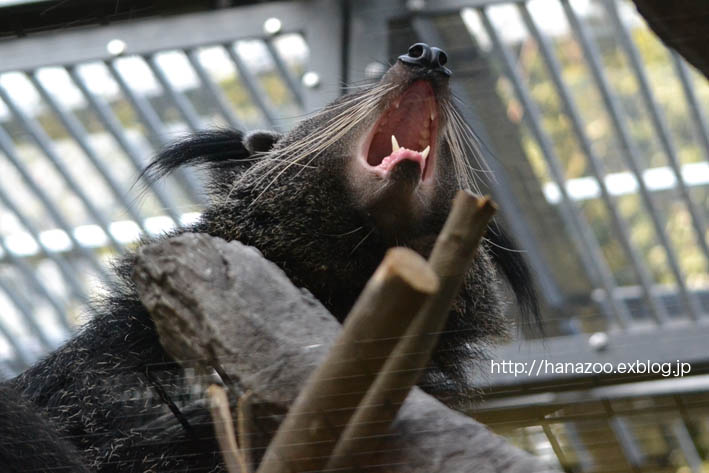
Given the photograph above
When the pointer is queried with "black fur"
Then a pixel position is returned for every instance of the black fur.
(225, 150)
(124, 404)
(221, 149)
(516, 271)
(29, 442)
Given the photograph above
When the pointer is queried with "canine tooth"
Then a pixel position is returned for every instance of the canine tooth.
(425, 152)
(394, 144)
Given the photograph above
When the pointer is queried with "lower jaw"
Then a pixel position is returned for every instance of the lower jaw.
(397, 209)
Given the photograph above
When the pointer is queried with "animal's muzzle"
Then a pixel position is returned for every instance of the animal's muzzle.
(428, 57)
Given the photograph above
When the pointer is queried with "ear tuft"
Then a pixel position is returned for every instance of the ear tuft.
(261, 141)
(215, 149)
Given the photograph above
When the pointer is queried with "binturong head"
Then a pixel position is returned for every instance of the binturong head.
(400, 160)
(399, 146)
(374, 169)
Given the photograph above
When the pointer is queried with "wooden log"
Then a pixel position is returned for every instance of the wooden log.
(213, 300)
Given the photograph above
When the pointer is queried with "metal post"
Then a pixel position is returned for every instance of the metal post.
(555, 446)
(515, 218)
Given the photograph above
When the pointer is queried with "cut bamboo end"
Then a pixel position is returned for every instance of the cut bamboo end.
(459, 239)
(410, 268)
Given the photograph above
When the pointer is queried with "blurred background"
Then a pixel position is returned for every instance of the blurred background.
(594, 132)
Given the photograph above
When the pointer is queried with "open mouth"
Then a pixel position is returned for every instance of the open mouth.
(406, 131)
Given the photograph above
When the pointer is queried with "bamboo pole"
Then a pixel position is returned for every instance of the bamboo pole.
(224, 430)
(389, 301)
(245, 426)
(451, 258)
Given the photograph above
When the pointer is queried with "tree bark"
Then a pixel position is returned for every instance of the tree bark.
(222, 304)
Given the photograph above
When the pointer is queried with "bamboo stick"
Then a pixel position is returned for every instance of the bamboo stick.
(224, 429)
(389, 301)
(451, 258)
(245, 426)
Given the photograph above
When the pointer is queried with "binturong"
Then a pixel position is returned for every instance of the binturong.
(376, 168)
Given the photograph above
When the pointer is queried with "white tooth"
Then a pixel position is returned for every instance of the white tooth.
(394, 144)
(425, 152)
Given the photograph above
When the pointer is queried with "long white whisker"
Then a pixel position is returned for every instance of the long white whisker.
(358, 108)
(362, 241)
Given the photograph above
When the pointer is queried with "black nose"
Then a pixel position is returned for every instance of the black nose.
(428, 57)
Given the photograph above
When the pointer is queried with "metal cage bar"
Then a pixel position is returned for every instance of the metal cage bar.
(77, 131)
(64, 266)
(22, 356)
(158, 137)
(29, 318)
(251, 84)
(590, 252)
(632, 157)
(595, 164)
(157, 134)
(47, 147)
(184, 106)
(686, 444)
(113, 126)
(292, 83)
(36, 285)
(699, 119)
(225, 109)
(698, 222)
(8, 148)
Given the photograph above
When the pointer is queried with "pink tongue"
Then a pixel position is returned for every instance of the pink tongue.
(397, 156)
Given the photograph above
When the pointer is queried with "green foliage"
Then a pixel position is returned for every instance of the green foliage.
(671, 101)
